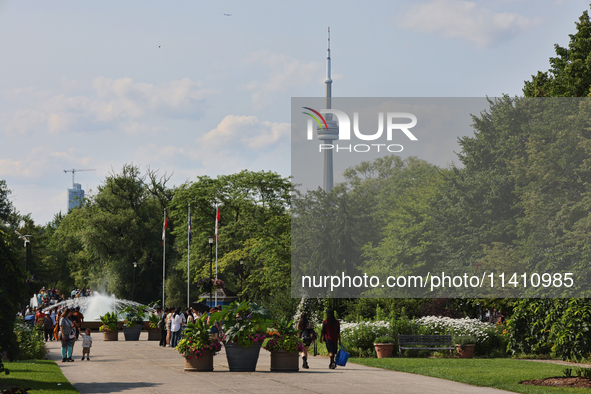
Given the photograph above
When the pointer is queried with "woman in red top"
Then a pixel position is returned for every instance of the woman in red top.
(331, 333)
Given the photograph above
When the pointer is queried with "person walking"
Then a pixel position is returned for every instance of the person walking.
(307, 335)
(47, 328)
(331, 333)
(162, 326)
(168, 320)
(67, 335)
(86, 344)
(175, 327)
(52, 315)
(78, 321)
(56, 328)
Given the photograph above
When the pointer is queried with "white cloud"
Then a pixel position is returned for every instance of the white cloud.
(467, 20)
(284, 73)
(136, 98)
(119, 104)
(247, 130)
(40, 162)
(26, 120)
(236, 143)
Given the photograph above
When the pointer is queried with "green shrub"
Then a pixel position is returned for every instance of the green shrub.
(570, 329)
(358, 338)
(559, 327)
(30, 340)
(528, 328)
(384, 339)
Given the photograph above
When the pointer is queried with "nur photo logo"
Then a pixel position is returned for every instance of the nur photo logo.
(329, 130)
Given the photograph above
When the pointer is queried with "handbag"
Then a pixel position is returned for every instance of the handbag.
(342, 357)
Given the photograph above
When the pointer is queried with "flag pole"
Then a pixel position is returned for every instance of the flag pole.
(163, 258)
(188, 255)
(217, 215)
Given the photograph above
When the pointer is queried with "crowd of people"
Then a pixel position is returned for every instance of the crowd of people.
(46, 298)
(61, 324)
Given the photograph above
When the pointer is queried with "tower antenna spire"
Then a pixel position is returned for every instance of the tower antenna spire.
(328, 80)
(331, 133)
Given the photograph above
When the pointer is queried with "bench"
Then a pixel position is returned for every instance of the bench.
(425, 342)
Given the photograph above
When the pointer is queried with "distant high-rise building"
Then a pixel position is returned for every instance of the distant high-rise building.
(75, 196)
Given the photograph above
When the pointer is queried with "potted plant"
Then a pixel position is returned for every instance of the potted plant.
(384, 346)
(109, 326)
(153, 330)
(285, 347)
(198, 347)
(465, 345)
(133, 322)
(244, 325)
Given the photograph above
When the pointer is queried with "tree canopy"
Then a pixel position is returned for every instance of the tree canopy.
(570, 71)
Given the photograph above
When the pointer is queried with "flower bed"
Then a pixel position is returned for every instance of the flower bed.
(358, 337)
(488, 337)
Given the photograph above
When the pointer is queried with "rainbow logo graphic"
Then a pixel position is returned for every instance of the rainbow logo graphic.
(315, 118)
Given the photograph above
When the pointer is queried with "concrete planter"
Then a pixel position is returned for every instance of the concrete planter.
(132, 333)
(153, 335)
(242, 359)
(200, 364)
(384, 350)
(284, 361)
(111, 335)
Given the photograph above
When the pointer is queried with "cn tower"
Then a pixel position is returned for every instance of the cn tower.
(327, 136)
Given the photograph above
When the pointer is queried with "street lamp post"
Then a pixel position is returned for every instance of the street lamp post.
(133, 284)
(241, 275)
(210, 239)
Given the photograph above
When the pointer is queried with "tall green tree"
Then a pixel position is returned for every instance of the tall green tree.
(570, 71)
(119, 225)
(253, 227)
(12, 276)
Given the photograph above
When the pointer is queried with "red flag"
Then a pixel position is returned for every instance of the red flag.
(217, 218)
(164, 229)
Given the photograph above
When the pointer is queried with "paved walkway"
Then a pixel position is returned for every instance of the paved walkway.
(144, 367)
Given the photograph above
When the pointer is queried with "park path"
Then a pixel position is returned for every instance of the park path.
(144, 367)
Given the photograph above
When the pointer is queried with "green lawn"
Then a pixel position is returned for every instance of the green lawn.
(500, 373)
(41, 376)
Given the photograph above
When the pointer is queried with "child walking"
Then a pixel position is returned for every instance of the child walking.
(86, 344)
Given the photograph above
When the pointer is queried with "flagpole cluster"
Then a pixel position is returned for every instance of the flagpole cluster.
(189, 257)
(217, 218)
(164, 226)
(164, 256)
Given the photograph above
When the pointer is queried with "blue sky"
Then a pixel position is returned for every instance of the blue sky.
(179, 87)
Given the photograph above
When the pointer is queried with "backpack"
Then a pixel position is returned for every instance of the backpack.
(309, 333)
(161, 323)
